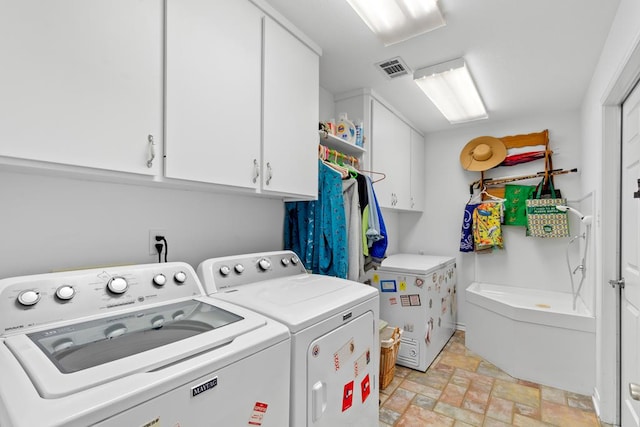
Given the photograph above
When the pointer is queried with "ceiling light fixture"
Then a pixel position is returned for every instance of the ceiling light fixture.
(394, 21)
(450, 87)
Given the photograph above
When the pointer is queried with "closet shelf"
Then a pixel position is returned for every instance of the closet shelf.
(340, 144)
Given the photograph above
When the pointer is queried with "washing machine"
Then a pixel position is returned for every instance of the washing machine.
(335, 354)
(418, 294)
(138, 345)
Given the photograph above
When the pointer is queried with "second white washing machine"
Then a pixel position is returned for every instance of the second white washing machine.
(335, 352)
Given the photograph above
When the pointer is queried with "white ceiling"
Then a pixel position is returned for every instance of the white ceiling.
(527, 56)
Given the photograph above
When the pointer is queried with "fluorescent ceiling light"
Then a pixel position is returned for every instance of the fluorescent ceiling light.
(450, 87)
(394, 21)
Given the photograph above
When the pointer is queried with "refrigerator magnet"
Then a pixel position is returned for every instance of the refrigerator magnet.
(388, 286)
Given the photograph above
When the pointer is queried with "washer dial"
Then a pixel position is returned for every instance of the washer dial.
(264, 264)
(118, 285)
(65, 292)
(159, 279)
(180, 277)
(29, 297)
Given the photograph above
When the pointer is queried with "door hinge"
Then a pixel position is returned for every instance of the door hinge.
(619, 282)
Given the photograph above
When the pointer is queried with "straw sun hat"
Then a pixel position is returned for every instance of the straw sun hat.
(482, 153)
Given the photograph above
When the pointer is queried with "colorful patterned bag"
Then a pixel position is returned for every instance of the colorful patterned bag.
(544, 219)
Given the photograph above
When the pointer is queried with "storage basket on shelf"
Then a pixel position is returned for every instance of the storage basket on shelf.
(389, 345)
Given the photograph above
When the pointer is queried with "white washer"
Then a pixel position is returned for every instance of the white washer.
(334, 332)
(136, 346)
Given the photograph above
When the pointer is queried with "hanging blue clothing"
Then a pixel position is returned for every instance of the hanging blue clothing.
(379, 247)
(317, 231)
(466, 235)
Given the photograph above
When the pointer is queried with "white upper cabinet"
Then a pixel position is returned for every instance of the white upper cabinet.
(391, 146)
(291, 103)
(213, 91)
(418, 175)
(242, 99)
(396, 149)
(81, 82)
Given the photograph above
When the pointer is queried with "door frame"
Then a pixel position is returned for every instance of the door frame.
(609, 235)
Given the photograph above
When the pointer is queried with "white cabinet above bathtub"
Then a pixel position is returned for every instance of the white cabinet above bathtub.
(81, 83)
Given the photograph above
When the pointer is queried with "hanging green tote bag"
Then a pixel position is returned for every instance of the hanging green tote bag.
(544, 219)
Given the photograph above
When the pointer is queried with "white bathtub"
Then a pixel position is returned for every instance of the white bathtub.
(533, 335)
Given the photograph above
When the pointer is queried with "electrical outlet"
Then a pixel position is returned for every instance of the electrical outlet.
(152, 239)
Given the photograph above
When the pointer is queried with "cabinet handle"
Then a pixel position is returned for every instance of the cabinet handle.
(269, 173)
(256, 170)
(152, 150)
(634, 391)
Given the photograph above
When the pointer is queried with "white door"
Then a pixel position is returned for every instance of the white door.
(81, 82)
(342, 375)
(213, 87)
(291, 103)
(417, 171)
(630, 258)
(391, 146)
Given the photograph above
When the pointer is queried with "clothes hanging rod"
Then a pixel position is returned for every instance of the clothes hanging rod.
(325, 153)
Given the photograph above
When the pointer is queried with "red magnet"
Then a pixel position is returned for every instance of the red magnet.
(347, 396)
(365, 388)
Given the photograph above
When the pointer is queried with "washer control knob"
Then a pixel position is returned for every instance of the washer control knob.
(159, 279)
(115, 331)
(65, 292)
(264, 264)
(117, 285)
(295, 260)
(180, 277)
(284, 261)
(225, 270)
(29, 297)
(157, 322)
(178, 315)
(239, 268)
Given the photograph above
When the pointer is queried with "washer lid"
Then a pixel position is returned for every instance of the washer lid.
(77, 356)
(300, 301)
(414, 263)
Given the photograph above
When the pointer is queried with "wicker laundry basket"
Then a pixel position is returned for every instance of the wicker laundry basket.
(389, 345)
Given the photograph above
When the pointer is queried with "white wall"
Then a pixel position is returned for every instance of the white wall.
(51, 223)
(327, 105)
(525, 261)
(612, 71)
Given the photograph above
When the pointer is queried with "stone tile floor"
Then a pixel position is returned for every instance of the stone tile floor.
(460, 389)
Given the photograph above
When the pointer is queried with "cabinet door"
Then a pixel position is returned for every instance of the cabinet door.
(213, 88)
(417, 171)
(390, 155)
(291, 102)
(81, 82)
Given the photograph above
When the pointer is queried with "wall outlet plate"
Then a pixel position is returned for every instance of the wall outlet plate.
(152, 239)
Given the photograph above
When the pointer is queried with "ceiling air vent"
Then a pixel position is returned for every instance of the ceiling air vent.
(394, 67)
